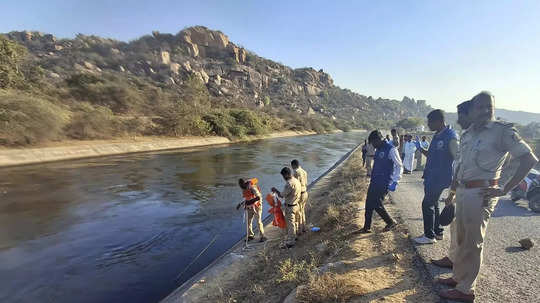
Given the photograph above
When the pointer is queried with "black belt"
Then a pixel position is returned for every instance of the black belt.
(303, 192)
(291, 205)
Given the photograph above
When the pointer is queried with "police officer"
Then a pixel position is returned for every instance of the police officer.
(485, 146)
(253, 206)
(437, 174)
(385, 175)
(291, 193)
(464, 122)
(301, 175)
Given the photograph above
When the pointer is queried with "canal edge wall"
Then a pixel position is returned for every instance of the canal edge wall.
(24, 156)
(230, 258)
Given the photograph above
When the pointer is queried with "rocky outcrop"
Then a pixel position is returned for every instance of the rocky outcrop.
(229, 72)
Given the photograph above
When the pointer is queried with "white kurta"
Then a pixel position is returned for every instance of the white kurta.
(409, 148)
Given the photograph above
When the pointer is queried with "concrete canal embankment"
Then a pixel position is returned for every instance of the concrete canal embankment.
(87, 149)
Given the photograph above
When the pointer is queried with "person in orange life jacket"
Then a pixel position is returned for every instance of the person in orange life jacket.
(385, 176)
(252, 204)
(464, 122)
(292, 193)
(437, 174)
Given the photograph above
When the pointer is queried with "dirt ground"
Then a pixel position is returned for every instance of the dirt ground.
(336, 264)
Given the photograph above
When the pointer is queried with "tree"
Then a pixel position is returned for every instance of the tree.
(11, 57)
(410, 123)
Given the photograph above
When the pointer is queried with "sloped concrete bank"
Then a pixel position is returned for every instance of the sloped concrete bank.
(228, 264)
(88, 149)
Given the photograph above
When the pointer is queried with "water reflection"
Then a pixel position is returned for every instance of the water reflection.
(125, 226)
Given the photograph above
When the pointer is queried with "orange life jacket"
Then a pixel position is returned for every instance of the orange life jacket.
(279, 218)
(248, 195)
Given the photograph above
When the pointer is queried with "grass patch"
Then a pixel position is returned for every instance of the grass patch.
(329, 287)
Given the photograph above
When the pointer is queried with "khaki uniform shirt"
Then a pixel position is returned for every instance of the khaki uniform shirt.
(291, 191)
(483, 151)
(301, 175)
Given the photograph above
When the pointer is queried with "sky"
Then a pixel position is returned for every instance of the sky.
(441, 51)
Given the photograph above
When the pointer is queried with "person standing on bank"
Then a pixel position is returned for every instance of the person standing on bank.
(385, 176)
(485, 146)
(301, 175)
(437, 174)
(464, 121)
(370, 153)
(424, 144)
(291, 193)
(253, 206)
(409, 148)
(364, 151)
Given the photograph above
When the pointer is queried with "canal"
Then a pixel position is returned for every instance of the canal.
(122, 228)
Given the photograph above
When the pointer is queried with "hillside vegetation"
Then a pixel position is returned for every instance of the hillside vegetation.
(194, 83)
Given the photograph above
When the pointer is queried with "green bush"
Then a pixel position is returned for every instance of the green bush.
(28, 120)
(89, 122)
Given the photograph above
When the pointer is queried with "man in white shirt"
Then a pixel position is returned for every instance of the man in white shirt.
(408, 148)
(385, 176)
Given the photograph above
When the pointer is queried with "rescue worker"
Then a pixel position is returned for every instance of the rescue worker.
(464, 122)
(291, 193)
(370, 153)
(437, 174)
(385, 176)
(485, 146)
(253, 206)
(301, 175)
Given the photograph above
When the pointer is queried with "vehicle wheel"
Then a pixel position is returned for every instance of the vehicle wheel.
(534, 203)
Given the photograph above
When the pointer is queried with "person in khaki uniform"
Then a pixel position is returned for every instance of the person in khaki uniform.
(301, 175)
(485, 147)
(253, 206)
(291, 193)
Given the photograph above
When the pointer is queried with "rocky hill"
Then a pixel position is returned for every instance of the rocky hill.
(132, 78)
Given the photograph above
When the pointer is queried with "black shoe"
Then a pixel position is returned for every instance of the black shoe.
(389, 227)
(251, 238)
(263, 238)
(365, 231)
(290, 245)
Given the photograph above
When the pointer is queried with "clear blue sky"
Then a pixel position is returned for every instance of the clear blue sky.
(441, 51)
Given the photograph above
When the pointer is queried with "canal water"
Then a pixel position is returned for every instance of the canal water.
(122, 228)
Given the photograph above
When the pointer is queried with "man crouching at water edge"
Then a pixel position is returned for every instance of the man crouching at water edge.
(292, 195)
(252, 204)
(386, 173)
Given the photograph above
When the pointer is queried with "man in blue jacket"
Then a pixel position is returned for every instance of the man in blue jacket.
(387, 170)
(437, 174)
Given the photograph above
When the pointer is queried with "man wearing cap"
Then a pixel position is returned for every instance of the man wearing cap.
(291, 193)
(385, 176)
(485, 146)
(437, 174)
(464, 120)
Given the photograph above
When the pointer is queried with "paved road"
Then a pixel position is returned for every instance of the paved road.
(509, 274)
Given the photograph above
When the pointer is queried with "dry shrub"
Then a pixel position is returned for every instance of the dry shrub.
(332, 215)
(27, 119)
(329, 287)
(294, 271)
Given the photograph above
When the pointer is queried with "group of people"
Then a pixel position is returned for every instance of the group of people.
(294, 206)
(470, 168)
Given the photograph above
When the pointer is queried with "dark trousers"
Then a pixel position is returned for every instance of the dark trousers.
(374, 202)
(430, 211)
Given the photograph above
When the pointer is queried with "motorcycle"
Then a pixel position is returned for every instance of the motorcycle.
(529, 189)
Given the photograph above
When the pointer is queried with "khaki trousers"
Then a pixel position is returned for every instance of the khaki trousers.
(301, 220)
(291, 213)
(257, 213)
(472, 216)
(453, 241)
(369, 164)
